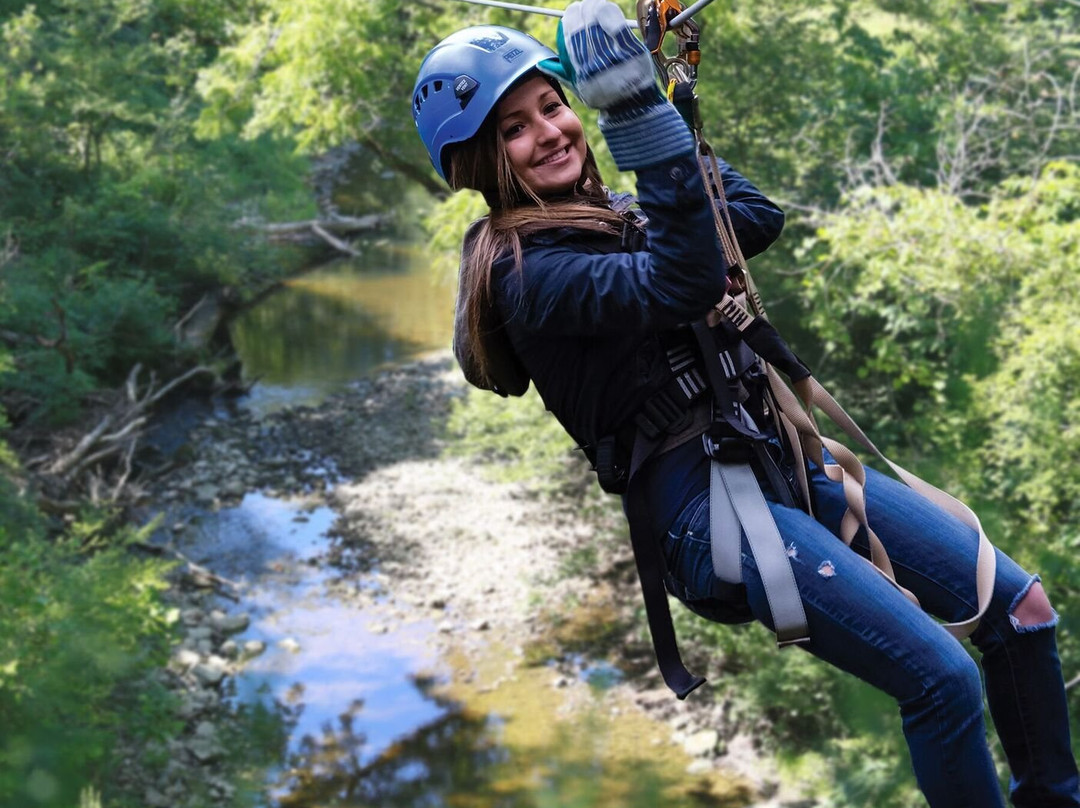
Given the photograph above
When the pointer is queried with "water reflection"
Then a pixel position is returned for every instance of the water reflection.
(325, 655)
(438, 764)
(328, 327)
(365, 711)
(463, 759)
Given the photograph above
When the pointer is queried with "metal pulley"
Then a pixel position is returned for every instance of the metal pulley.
(655, 19)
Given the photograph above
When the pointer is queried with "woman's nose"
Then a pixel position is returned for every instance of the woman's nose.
(548, 131)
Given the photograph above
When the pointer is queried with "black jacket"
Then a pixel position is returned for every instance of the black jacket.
(584, 312)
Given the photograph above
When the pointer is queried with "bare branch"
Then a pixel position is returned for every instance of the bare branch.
(132, 383)
(333, 241)
(164, 391)
(64, 463)
(127, 472)
(118, 436)
(196, 571)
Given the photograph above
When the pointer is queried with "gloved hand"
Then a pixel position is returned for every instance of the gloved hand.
(611, 70)
(605, 63)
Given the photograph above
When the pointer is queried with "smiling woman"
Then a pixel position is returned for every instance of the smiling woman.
(637, 342)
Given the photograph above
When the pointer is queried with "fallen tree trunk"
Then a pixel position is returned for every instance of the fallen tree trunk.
(334, 231)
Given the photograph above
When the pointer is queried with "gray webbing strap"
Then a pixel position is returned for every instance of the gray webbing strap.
(724, 530)
(735, 499)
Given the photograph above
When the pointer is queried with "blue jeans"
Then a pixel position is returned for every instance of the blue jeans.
(863, 625)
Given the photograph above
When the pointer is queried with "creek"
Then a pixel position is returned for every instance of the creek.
(347, 319)
(383, 712)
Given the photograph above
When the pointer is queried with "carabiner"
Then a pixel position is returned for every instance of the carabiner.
(654, 22)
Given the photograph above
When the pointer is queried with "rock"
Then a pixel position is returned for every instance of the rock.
(206, 493)
(230, 649)
(153, 798)
(699, 766)
(209, 675)
(230, 623)
(200, 633)
(186, 658)
(289, 644)
(252, 648)
(192, 617)
(223, 789)
(701, 743)
(481, 625)
(189, 707)
(234, 488)
(205, 750)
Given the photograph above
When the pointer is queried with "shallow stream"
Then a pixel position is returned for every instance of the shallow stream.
(381, 715)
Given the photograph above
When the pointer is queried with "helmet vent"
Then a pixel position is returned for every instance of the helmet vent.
(422, 94)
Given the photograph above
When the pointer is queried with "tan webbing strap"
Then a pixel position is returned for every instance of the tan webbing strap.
(985, 563)
(729, 244)
(800, 427)
(847, 470)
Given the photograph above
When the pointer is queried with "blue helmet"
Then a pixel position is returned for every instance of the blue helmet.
(461, 80)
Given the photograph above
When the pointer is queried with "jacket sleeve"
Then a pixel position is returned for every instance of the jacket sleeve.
(756, 219)
(571, 288)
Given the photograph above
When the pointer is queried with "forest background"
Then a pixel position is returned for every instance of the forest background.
(925, 153)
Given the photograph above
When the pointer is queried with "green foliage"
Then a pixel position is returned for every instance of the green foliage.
(113, 217)
(951, 330)
(518, 435)
(806, 100)
(1031, 403)
(65, 618)
(445, 226)
(912, 290)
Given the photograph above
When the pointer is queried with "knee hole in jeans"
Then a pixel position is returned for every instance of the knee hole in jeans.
(1032, 609)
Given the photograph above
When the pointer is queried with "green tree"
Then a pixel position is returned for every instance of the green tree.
(113, 218)
(330, 71)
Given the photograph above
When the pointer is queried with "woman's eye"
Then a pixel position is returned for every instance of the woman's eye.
(510, 131)
(552, 107)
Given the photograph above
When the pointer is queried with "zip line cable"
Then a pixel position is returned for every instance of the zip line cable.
(675, 22)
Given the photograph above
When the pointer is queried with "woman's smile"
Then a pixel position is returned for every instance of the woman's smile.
(555, 156)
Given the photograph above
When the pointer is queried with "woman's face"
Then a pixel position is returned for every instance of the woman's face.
(544, 140)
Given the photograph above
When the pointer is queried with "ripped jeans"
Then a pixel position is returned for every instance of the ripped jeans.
(863, 625)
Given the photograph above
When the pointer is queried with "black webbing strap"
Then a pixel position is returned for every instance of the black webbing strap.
(722, 401)
(650, 568)
(725, 407)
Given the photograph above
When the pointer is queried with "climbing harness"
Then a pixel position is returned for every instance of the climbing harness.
(735, 443)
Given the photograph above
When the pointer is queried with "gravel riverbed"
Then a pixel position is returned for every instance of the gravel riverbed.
(488, 562)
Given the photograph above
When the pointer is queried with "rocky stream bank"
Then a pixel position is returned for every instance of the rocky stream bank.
(435, 538)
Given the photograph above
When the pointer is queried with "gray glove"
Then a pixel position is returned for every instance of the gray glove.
(611, 70)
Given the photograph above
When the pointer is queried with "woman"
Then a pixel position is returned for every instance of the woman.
(561, 285)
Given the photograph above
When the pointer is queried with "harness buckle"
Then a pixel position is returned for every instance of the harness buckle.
(726, 449)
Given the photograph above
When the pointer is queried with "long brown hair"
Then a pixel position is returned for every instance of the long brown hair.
(514, 211)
